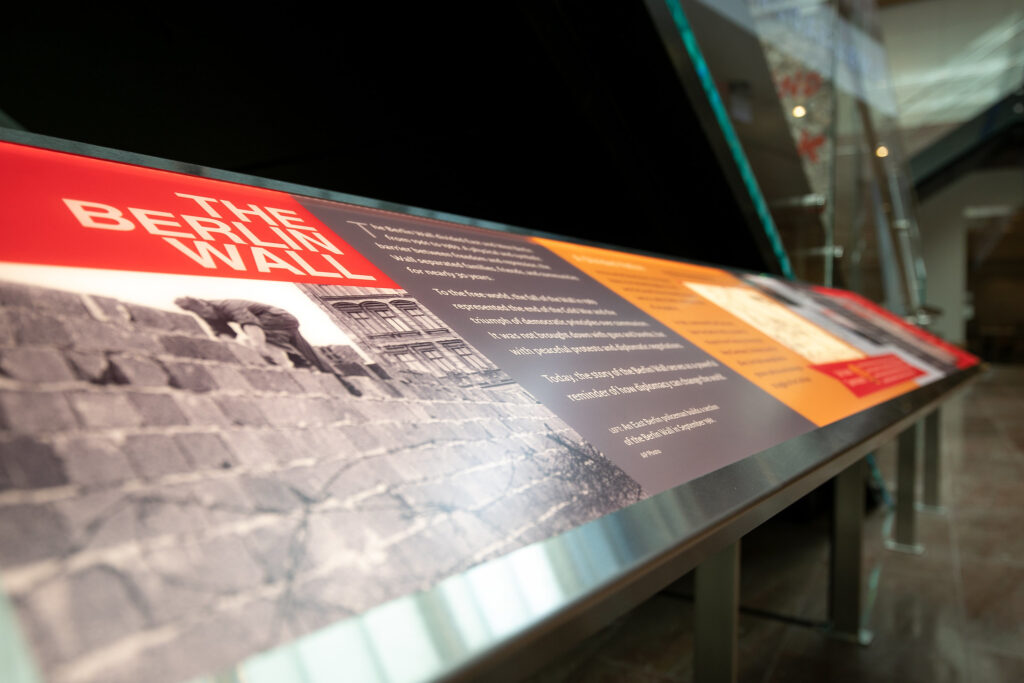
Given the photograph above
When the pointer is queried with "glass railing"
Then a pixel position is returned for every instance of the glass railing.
(806, 87)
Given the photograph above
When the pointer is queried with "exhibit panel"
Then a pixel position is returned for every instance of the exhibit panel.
(235, 418)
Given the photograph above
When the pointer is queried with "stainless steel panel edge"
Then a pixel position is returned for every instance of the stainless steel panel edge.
(708, 514)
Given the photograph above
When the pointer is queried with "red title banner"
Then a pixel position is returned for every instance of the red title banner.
(68, 210)
(871, 311)
(867, 375)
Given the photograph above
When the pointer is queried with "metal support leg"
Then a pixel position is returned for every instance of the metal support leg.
(932, 473)
(905, 535)
(845, 572)
(716, 617)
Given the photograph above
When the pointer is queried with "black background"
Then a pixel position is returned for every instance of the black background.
(564, 116)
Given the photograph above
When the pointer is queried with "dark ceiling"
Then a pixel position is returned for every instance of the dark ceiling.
(565, 116)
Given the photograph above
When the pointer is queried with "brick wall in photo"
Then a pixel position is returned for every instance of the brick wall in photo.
(171, 503)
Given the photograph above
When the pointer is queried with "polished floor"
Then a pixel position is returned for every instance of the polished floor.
(953, 613)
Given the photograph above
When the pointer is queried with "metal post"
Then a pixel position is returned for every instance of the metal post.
(905, 536)
(845, 598)
(932, 471)
(716, 617)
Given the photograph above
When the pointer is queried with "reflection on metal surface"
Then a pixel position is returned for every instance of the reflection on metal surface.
(469, 614)
(836, 250)
(989, 211)
(546, 596)
(812, 200)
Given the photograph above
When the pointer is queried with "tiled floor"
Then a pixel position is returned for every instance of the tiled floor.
(954, 613)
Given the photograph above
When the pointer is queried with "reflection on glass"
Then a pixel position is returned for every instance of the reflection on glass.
(831, 75)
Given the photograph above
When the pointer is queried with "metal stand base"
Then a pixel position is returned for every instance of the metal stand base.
(863, 637)
(932, 469)
(905, 533)
(909, 548)
(716, 617)
(845, 583)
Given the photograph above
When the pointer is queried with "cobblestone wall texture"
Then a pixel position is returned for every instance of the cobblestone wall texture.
(171, 503)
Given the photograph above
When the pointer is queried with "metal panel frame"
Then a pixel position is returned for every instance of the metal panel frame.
(560, 590)
(709, 513)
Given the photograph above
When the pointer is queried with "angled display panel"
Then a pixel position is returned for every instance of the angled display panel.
(233, 417)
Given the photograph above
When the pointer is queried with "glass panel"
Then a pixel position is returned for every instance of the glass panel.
(807, 90)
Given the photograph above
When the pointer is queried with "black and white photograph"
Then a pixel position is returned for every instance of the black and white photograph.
(194, 470)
